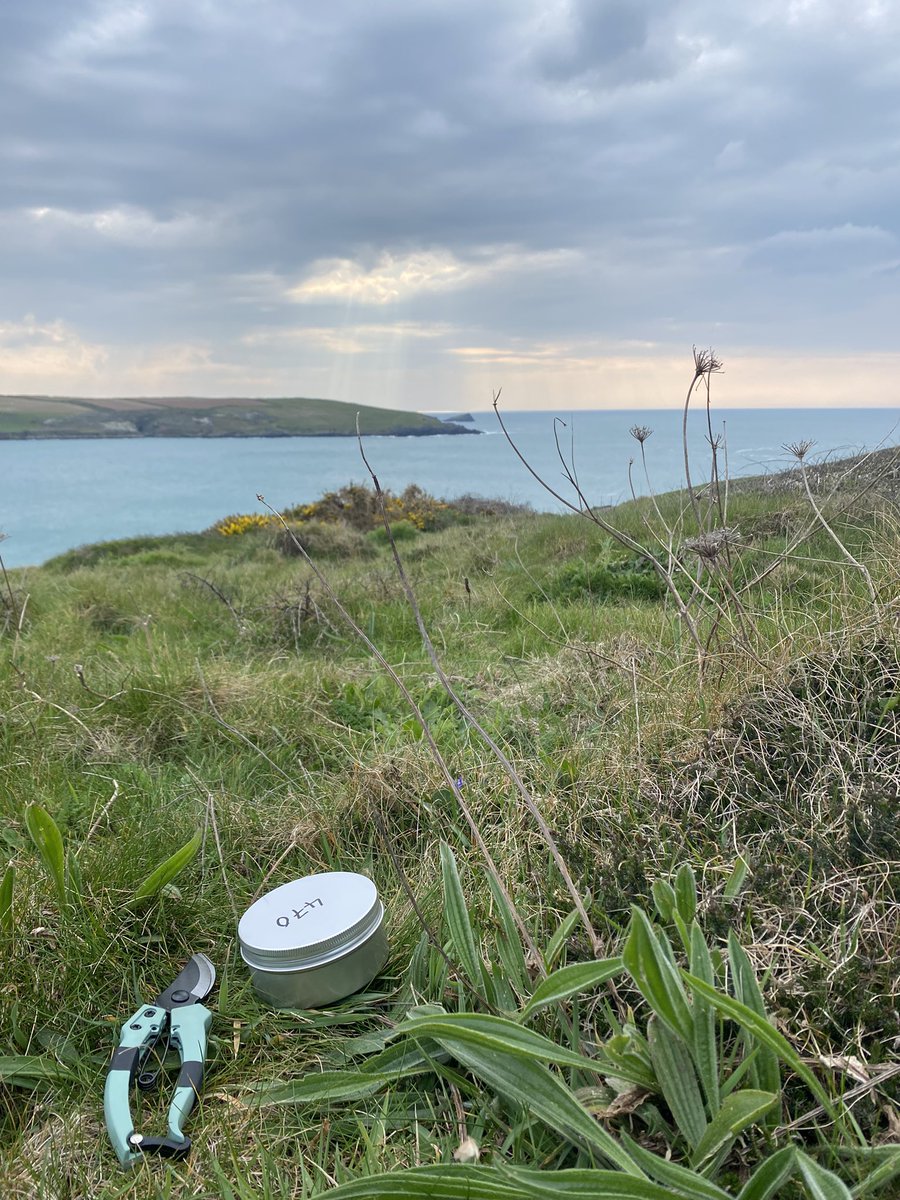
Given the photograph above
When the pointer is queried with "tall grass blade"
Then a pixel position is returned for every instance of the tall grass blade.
(677, 1080)
(48, 842)
(6, 899)
(764, 1032)
(738, 1111)
(656, 976)
(570, 981)
(456, 914)
(167, 871)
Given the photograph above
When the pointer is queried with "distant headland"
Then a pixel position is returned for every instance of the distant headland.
(30, 417)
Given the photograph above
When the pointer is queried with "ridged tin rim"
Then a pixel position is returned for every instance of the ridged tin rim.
(315, 953)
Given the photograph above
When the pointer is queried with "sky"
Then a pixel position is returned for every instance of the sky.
(415, 203)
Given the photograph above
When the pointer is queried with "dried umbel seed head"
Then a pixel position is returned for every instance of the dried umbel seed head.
(710, 545)
(705, 363)
(799, 449)
(640, 433)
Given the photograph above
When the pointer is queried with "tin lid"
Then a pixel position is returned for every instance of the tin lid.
(309, 921)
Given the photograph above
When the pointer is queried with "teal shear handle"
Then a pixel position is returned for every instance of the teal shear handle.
(187, 1028)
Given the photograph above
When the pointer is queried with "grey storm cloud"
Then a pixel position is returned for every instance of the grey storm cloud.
(221, 169)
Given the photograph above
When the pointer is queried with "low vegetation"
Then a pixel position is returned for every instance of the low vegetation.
(701, 1002)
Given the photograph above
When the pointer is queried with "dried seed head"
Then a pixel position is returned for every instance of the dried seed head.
(705, 363)
(640, 433)
(710, 545)
(799, 449)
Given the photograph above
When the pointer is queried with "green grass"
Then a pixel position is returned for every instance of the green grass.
(158, 687)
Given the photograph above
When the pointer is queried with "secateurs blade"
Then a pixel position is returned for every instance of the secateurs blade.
(177, 1018)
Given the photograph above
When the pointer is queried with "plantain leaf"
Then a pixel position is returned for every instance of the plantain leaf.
(681, 1181)
(656, 976)
(764, 1032)
(585, 1183)
(686, 893)
(509, 942)
(663, 898)
(770, 1176)
(569, 981)
(167, 871)
(510, 1059)
(559, 939)
(457, 1182)
(738, 1110)
(456, 915)
(324, 1086)
(737, 879)
(31, 1070)
(677, 1079)
(747, 991)
(820, 1183)
(6, 899)
(880, 1175)
(44, 832)
(704, 1043)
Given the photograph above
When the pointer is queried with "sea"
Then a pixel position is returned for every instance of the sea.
(56, 495)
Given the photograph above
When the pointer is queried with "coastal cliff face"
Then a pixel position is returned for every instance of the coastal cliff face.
(30, 417)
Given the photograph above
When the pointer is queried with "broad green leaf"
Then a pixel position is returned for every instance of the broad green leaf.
(559, 939)
(457, 1182)
(6, 899)
(496, 1035)
(327, 1086)
(585, 1183)
(764, 1032)
(31, 1070)
(738, 1110)
(770, 1176)
(820, 1183)
(737, 879)
(166, 871)
(656, 976)
(48, 841)
(510, 1059)
(569, 981)
(686, 893)
(509, 942)
(681, 1181)
(880, 1175)
(456, 915)
(704, 1042)
(747, 991)
(678, 1080)
(663, 898)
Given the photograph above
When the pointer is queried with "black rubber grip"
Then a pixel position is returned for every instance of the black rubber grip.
(191, 1075)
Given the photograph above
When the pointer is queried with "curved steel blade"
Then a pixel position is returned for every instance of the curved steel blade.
(191, 986)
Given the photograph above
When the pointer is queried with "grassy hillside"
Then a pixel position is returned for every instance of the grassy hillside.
(192, 416)
(158, 687)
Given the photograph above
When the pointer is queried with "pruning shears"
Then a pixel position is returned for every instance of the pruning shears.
(176, 1018)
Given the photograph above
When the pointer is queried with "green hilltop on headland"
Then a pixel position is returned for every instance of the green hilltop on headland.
(195, 416)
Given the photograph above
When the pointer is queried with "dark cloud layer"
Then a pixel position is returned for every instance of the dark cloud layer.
(176, 172)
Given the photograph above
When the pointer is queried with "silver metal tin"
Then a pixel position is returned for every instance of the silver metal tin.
(314, 940)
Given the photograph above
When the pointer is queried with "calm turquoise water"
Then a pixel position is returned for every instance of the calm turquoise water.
(56, 495)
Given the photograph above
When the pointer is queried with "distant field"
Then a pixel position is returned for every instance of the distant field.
(197, 416)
